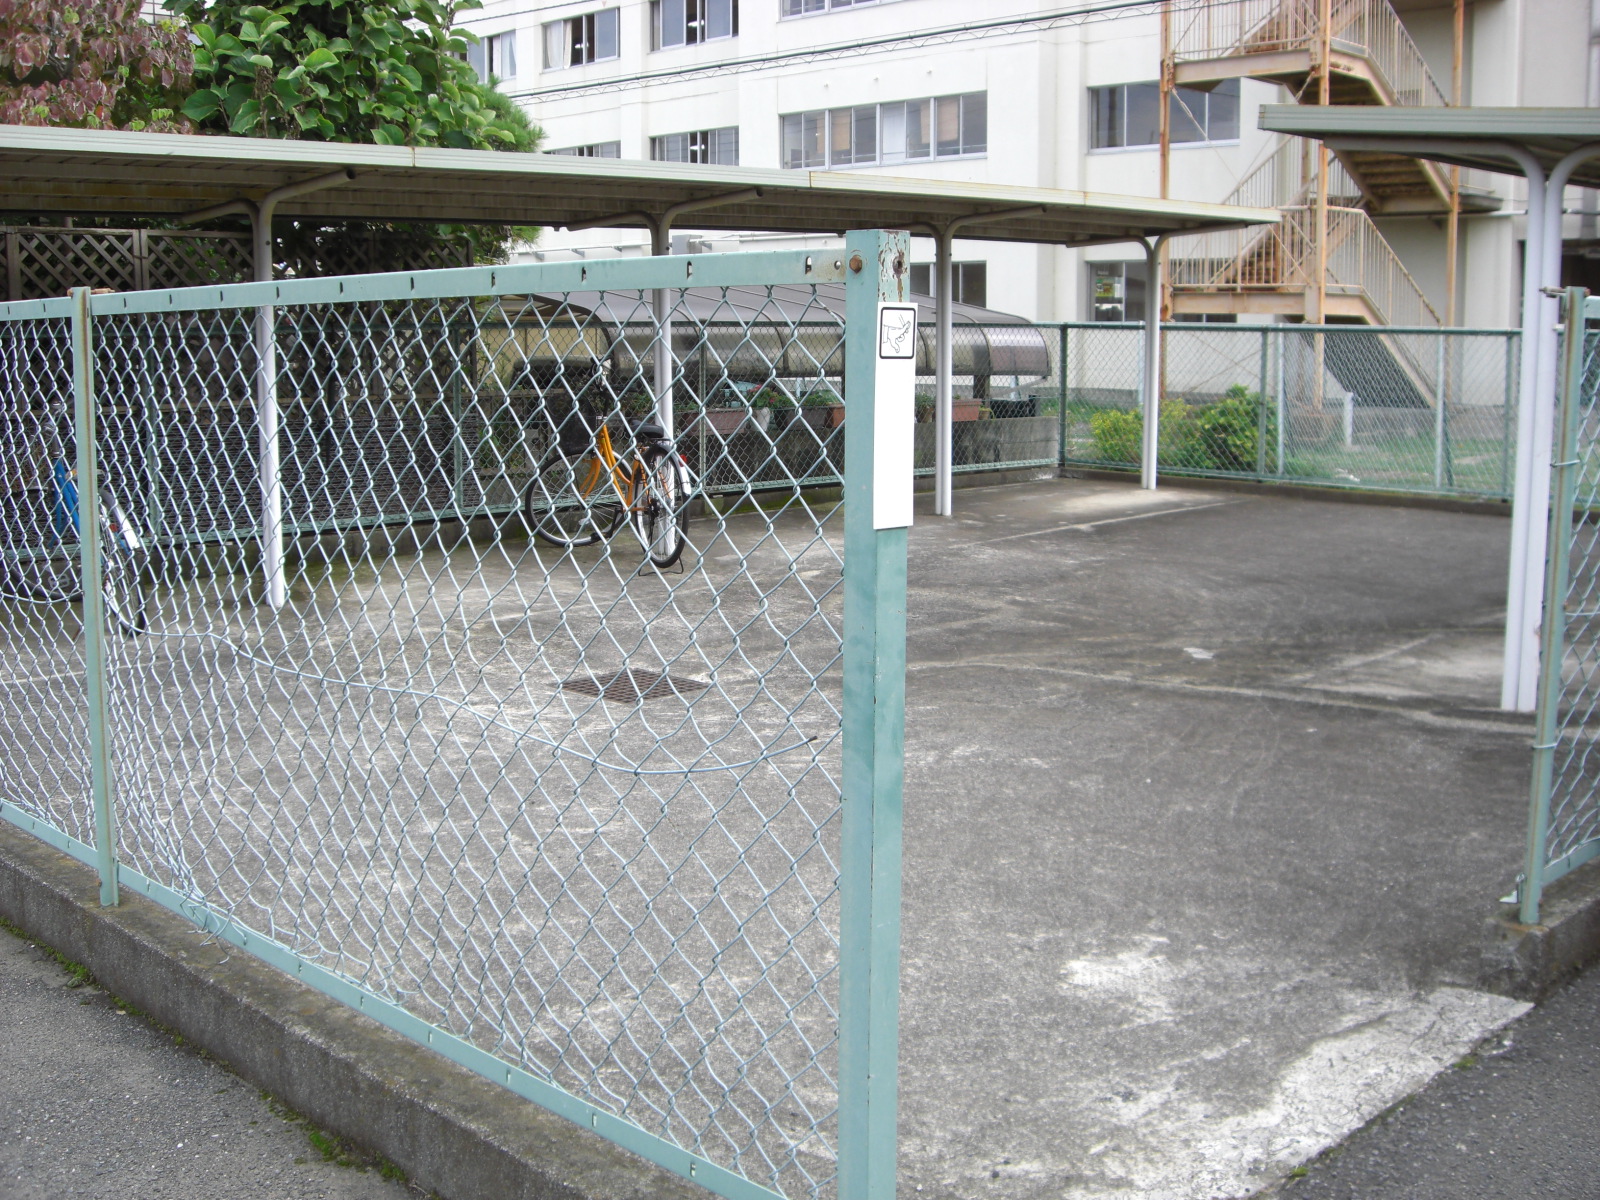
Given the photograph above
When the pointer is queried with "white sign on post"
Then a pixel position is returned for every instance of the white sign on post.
(894, 429)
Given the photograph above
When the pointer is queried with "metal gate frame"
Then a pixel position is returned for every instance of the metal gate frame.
(1563, 612)
(875, 268)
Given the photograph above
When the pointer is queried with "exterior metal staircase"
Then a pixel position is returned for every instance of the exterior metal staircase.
(1371, 59)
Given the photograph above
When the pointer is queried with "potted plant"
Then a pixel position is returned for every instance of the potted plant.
(772, 407)
(823, 409)
(967, 408)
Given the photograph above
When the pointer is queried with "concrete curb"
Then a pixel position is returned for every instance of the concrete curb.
(453, 1132)
(1529, 962)
(1302, 491)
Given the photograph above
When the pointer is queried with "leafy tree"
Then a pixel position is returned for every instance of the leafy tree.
(91, 64)
(391, 73)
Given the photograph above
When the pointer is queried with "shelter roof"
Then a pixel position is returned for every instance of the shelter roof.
(82, 172)
(1465, 136)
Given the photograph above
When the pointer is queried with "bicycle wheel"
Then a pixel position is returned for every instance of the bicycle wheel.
(661, 508)
(47, 575)
(123, 564)
(572, 502)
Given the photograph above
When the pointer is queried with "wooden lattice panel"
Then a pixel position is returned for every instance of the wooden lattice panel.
(50, 261)
(174, 259)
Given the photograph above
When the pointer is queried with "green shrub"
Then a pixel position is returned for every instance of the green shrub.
(1117, 433)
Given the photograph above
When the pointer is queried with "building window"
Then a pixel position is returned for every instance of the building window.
(1116, 291)
(1129, 114)
(971, 281)
(594, 150)
(689, 22)
(494, 56)
(803, 8)
(905, 131)
(573, 41)
(717, 146)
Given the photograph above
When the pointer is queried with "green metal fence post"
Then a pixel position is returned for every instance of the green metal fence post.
(1061, 403)
(94, 617)
(874, 711)
(1506, 419)
(1280, 402)
(1553, 628)
(1261, 409)
(1441, 365)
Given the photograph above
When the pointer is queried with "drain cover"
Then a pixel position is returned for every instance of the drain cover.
(629, 686)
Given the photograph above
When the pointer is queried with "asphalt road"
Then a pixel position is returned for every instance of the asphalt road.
(1515, 1121)
(96, 1102)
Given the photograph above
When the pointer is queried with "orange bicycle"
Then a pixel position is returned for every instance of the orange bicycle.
(578, 499)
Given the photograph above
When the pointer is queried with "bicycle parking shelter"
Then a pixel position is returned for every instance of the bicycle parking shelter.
(72, 172)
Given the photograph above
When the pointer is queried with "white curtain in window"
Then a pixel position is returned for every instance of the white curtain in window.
(557, 45)
(504, 62)
(478, 58)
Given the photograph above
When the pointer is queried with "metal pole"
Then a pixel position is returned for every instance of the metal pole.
(1532, 467)
(1061, 404)
(1261, 408)
(94, 612)
(1152, 365)
(660, 302)
(269, 468)
(1506, 431)
(1438, 416)
(873, 725)
(944, 384)
(1280, 400)
(1547, 722)
(1541, 424)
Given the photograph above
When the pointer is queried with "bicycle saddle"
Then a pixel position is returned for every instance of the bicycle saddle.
(649, 431)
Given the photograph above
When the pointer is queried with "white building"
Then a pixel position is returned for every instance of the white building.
(1057, 95)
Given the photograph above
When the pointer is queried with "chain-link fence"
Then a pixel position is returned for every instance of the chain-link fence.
(1564, 812)
(1430, 411)
(447, 697)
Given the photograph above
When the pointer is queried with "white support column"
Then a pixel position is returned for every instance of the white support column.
(661, 304)
(944, 390)
(1151, 383)
(269, 469)
(1531, 486)
(1535, 522)
(269, 472)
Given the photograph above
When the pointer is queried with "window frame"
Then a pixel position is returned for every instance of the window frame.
(698, 22)
(962, 274)
(821, 7)
(930, 110)
(1179, 107)
(584, 38)
(591, 150)
(713, 141)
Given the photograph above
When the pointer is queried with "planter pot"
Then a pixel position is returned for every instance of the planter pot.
(966, 410)
(823, 416)
(1027, 406)
(727, 421)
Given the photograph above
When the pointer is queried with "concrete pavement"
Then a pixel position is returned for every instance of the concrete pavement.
(96, 1103)
(1513, 1122)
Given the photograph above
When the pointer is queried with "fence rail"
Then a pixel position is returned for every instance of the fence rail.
(1411, 410)
(599, 801)
(1564, 801)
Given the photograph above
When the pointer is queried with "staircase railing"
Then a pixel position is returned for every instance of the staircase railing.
(1283, 256)
(1287, 177)
(1212, 29)
(1360, 257)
